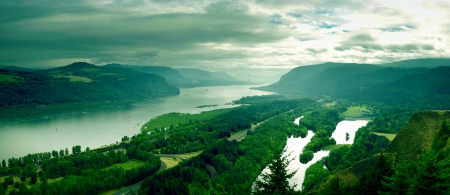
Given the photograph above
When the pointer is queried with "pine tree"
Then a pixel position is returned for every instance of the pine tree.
(276, 182)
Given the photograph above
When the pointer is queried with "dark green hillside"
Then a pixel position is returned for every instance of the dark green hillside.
(430, 87)
(333, 80)
(370, 83)
(81, 82)
(418, 135)
(298, 78)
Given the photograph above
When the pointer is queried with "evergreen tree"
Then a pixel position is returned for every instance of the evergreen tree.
(44, 184)
(276, 182)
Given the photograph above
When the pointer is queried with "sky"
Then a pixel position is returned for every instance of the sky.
(247, 37)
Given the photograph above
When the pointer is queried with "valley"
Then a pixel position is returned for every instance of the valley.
(183, 145)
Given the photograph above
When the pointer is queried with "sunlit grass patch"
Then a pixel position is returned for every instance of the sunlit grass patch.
(166, 120)
(6, 77)
(390, 136)
(127, 165)
(354, 111)
(170, 162)
(76, 78)
(330, 104)
(332, 147)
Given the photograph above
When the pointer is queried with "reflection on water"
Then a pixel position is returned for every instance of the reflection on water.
(33, 130)
(349, 127)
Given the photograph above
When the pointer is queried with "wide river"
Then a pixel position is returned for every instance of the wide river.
(34, 130)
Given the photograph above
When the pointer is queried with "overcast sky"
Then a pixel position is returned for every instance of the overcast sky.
(221, 35)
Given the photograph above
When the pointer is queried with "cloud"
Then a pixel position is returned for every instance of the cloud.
(215, 35)
(366, 43)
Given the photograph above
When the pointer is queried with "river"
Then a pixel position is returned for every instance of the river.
(34, 130)
(294, 146)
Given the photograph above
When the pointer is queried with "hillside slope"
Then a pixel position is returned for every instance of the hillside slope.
(80, 82)
(370, 83)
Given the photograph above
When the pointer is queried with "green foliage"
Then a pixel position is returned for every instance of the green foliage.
(428, 175)
(323, 122)
(440, 141)
(306, 156)
(276, 182)
(314, 175)
(174, 118)
(259, 99)
(371, 181)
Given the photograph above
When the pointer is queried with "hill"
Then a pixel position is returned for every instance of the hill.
(16, 68)
(80, 82)
(172, 76)
(367, 82)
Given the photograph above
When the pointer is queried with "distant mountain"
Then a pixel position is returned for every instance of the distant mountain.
(172, 76)
(186, 78)
(206, 78)
(16, 68)
(366, 82)
(80, 82)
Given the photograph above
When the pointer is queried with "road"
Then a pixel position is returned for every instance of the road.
(135, 187)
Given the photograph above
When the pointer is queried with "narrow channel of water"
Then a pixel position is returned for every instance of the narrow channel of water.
(294, 146)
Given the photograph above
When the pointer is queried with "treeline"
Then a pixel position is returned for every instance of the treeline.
(85, 172)
(33, 89)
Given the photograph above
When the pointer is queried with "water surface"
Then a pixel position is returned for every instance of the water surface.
(34, 130)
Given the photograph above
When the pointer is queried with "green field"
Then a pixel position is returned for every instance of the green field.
(356, 111)
(173, 118)
(7, 77)
(76, 78)
(128, 165)
(330, 104)
(390, 136)
(332, 147)
(170, 162)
